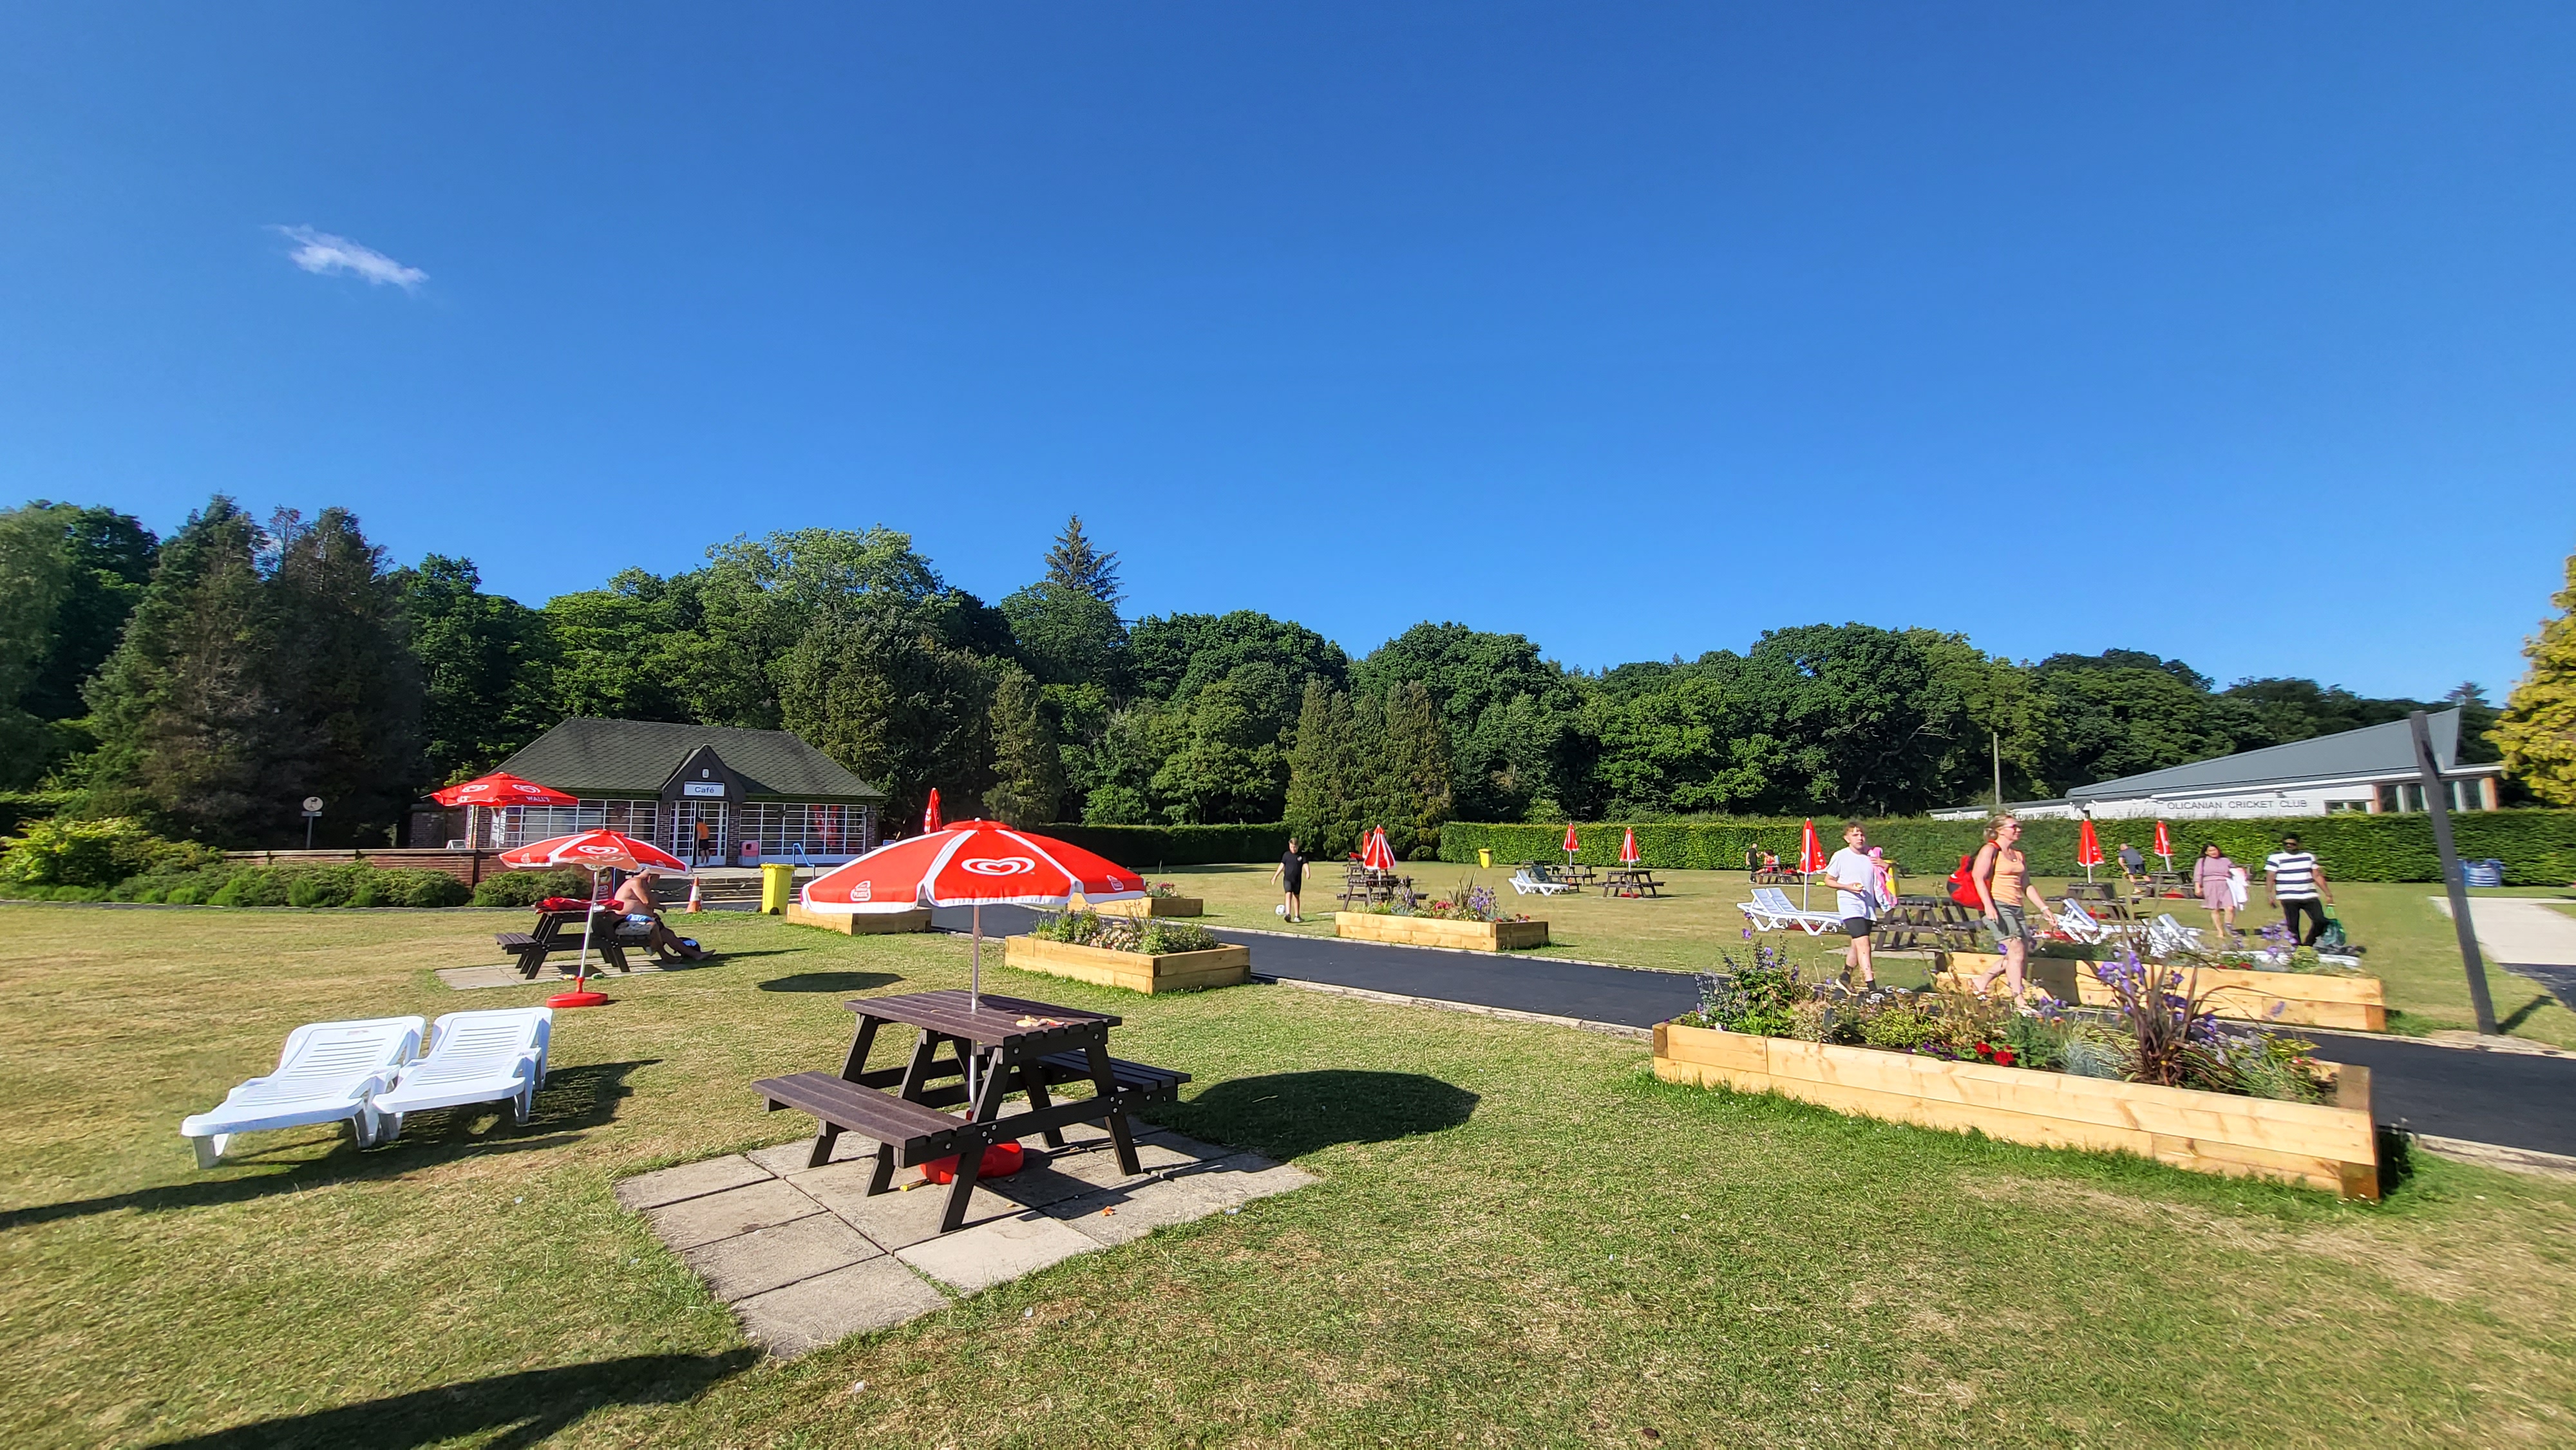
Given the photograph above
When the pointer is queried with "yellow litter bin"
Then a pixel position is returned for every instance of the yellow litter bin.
(1485, 857)
(777, 887)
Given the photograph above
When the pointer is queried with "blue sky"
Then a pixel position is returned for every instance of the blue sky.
(2236, 332)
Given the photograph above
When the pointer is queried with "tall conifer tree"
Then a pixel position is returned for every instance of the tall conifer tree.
(2538, 730)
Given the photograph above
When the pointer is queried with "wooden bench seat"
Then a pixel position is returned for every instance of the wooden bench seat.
(559, 933)
(917, 1134)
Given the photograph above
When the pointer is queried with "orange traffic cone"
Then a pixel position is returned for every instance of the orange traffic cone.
(692, 907)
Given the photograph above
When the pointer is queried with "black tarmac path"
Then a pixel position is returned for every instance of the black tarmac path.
(2517, 1100)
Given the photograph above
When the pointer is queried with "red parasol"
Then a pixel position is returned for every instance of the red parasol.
(1375, 853)
(2088, 848)
(2164, 845)
(1628, 847)
(1811, 859)
(930, 813)
(1571, 845)
(592, 851)
(500, 788)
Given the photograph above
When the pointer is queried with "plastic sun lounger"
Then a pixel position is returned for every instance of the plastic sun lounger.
(1528, 885)
(474, 1057)
(327, 1072)
(1776, 904)
(2166, 935)
(2080, 924)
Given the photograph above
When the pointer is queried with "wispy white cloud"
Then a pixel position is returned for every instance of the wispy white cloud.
(322, 254)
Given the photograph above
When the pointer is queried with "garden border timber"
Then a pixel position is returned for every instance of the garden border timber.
(2329, 1146)
(861, 923)
(2305, 999)
(1145, 906)
(1432, 931)
(1224, 966)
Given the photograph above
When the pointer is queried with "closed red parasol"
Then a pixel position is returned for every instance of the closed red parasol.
(1628, 847)
(1811, 859)
(2088, 848)
(1375, 853)
(594, 852)
(930, 813)
(1571, 845)
(2164, 845)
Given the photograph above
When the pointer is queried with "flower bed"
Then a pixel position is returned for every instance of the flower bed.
(1162, 898)
(1140, 955)
(1432, 931)
(2284, 998)
(2157, 1074)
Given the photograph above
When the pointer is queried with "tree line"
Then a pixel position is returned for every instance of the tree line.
(208, 682)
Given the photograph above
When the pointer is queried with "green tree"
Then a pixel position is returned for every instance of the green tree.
(35, 575)
(1133, 744)
(881, 692)
(1230, 763)
(2537, 733)
(757, 597)
(1171, 656)
(69, 579)
(487, 665)
(2109, 721)
(1072, 563)
(1322, 808)
(1417, 765)
(1028, 765)
(347, 678)
(626, 652)
(1513, 718)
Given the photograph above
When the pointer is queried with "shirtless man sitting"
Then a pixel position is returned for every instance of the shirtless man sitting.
(635, 899)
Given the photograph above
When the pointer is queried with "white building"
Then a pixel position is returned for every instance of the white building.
(2371, 769)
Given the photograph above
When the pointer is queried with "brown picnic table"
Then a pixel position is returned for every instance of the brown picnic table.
(559, 933)
(1015, 1046)
(1629, 881)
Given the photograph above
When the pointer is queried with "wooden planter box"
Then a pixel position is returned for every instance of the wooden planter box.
(2304, 999)
(1171, 972)
(1144, 906)
(1427, 931)
(2328, 1146)
(862, 923)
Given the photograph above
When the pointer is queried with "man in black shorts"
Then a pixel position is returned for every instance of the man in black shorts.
(1291, 876)
(1853, 873)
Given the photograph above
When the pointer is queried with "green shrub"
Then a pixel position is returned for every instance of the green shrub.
(2538, 847)
(423, 889)
(1144, 848)
(527, 888)
(255, 886)
(1158, 936)
(92, 853)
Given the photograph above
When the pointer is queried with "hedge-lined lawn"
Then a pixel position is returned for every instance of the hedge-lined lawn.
(2411, 944)
(1520, 1239)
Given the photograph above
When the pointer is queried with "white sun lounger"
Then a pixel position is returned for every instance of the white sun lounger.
(2080, 924)
(1771, 910)
(2166, 936)
(1528, 885)
(474, 1057)
(327, 1072)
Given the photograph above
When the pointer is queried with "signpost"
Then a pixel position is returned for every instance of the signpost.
(2437, 805)
(312, 810)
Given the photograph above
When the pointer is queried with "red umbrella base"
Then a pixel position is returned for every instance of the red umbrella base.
(999, 1161)
(578, 999)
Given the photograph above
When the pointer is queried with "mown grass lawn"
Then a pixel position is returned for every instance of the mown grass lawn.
(2411, 945)
(1520, 1239)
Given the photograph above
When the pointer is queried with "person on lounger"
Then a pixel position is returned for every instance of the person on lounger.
(635, 898)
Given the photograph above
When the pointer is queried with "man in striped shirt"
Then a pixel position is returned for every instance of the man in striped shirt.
(2296, 884)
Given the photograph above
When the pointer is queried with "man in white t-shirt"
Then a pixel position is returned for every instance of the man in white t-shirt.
(1854, 875)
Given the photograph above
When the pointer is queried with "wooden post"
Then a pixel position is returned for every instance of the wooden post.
(2440, 810)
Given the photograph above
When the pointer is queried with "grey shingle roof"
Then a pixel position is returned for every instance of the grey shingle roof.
(617, 757)
(2371, 750)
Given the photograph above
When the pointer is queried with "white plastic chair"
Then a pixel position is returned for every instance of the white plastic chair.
(327, 1072)
(474, 1057)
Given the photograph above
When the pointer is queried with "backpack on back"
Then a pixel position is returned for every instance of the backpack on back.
(1963, 884)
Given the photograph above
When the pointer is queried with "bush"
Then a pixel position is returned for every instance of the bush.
(2538, 847)
(527, 888)
(1141, 847)
(253, 886)
(92, 853)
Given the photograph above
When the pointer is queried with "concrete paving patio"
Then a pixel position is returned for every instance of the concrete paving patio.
(804, 1256)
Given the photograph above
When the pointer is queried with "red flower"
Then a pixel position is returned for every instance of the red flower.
(2003, 1057)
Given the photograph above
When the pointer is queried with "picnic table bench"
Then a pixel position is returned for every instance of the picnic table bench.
(559, 933)
(1934, 923)
(1012, 1045)
(1365, 886)
(2171, 883)
(1629, 881)
(1777, 876)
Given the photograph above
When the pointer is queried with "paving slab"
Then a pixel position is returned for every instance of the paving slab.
(788, 1159)
(974, 1259)
(1125, 1214)
(877, 1293)
(766, 1204)
(898, 1219)
(689, 1180)
(770, 1258)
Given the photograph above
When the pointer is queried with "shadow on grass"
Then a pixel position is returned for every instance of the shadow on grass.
(2523, 1013)
(1291, 1114)
(574, 1098)
(527, 1407)
(830, 982)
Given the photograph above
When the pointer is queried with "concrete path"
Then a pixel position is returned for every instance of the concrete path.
(2512, 1099)
(2531, 939)
(806, 1255)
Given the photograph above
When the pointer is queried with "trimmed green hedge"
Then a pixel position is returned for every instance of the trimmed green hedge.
(1151, 848)
(2538, 847)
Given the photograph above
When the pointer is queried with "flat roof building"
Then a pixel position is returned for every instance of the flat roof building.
(2371, 769)
(712, 795)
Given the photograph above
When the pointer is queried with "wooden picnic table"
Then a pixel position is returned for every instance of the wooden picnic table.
(2090, 891)
(1921, 922)
(1366, 886)
(559, 933)
(1629, 881)
(2171, 883)
(1014, 1045)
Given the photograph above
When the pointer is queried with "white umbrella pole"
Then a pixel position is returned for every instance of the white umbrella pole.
(581, 964)
(974, 998)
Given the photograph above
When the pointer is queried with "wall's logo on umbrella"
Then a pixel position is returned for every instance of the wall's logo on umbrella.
(1002, 866)
(863, 891)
